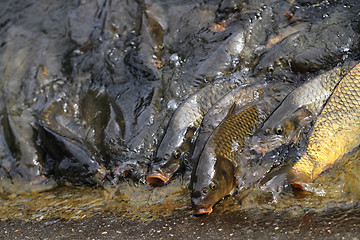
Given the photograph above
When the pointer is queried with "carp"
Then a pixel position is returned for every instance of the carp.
(286, 125)
(241, 96)
(214, 176)
(335, 133)
(177, 141)
(217, 113)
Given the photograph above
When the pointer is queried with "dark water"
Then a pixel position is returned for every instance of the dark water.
(89, 87)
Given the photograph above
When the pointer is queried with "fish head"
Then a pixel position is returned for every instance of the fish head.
(274, 64)
(210, 183)
(281, 129)
(173, 150)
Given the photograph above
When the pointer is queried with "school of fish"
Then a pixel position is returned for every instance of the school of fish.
(216, 94)
(214, 131)
(330, 100)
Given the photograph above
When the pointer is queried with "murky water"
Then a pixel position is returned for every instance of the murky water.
(89, 87)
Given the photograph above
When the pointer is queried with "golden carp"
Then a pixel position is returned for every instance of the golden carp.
(177, 141)
(336, 130)
(286, 125)
(241, 96)
(214, 176)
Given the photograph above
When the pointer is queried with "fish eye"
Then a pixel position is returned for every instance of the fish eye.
(176, 154)
(267, 132)
(279, 130)
(213, 186)
(270, 68)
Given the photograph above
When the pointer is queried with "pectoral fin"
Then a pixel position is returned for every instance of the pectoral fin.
(303, 116)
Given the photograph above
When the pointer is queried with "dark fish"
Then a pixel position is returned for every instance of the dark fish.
(214, 176)
(224, 58)
(312, 48)
(81, 137)
(156, 31)
(179, 136)
(299, 108)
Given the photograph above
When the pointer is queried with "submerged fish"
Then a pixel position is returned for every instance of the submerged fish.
(214, 176)
(81, 136)
(177, 141)
(299, 108)
(336, 130)
(225, 57)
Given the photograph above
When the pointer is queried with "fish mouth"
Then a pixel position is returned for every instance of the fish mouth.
(260, 150)
(203, 210)
(300, 181)
(262, 147)
(157, 178)
(217, 27)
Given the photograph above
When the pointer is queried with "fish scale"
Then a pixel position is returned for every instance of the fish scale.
(179, 135)
(214, 176)
(296, 111)
(336, 130)
(233, 129)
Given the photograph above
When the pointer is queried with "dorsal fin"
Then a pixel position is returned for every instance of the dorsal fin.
(231, 110)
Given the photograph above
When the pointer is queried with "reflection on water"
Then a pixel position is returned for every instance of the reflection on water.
(87, 85)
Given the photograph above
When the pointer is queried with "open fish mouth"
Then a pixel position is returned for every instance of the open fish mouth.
(157, 178)
(203, 210)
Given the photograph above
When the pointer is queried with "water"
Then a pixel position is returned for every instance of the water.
(130, 65)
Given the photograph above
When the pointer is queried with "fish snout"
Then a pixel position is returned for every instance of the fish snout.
(263, 144)
(161, 171)
(157, 177)
(203, 210)
(197, 202)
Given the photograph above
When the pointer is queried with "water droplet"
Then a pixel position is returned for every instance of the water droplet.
(175, 59)
(172, 104)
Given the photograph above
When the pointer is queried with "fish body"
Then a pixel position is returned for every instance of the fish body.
(241, 96)
(311, 47)
(336, 130)
(214, 176)
(178, 139)
(81, 136)
(222, 59)
(215, 173)
(299, 108)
